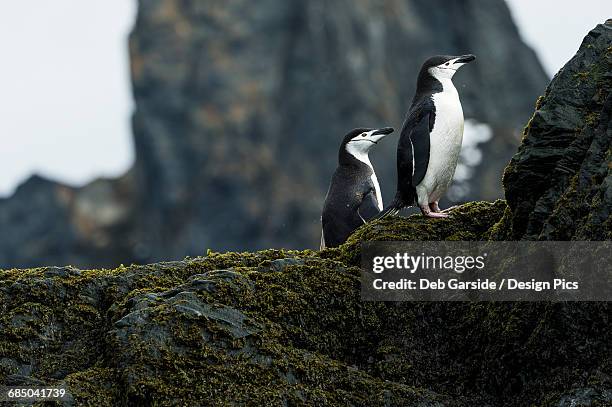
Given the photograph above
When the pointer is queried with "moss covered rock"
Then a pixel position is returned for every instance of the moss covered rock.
(471, 221)
(289, 328)
(268, 328)
(559, 184)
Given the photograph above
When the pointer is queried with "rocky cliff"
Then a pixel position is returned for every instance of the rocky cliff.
(240, 107)
(280, 327)
(558, 185)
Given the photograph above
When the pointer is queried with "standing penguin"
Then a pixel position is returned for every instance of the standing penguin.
(354, 194)
(430, 142)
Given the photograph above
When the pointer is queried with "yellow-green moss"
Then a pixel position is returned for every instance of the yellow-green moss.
(271, 328)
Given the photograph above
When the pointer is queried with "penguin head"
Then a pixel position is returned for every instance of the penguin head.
(358, 142)
(445, 66)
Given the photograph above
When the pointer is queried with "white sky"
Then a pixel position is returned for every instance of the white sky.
(555, 28)
(65, 97)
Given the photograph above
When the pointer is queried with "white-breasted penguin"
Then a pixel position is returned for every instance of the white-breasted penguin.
(354, 193)
(430, 142)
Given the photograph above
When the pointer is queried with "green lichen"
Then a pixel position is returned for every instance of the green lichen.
(582, 76)
(591, 118)
(501, 230)
(95, 387)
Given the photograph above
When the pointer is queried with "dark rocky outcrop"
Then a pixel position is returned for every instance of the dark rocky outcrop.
(47, 222)
(558, 185)
(235, 327)
(282, 327)
(289, 328)
(240, 107)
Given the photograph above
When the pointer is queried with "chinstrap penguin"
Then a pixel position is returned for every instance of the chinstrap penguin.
(430, 141)
(354, 193)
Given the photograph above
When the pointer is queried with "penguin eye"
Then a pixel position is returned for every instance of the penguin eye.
(446, 64)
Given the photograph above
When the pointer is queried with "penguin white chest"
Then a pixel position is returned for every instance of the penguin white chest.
(445, 144)
(364, 158)
(374, 180)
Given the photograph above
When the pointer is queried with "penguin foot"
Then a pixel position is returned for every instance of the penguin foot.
(436, 215)
(426, 210)
(435, 208)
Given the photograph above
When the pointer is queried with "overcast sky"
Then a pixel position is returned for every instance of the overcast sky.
(65, 98)
(555, 28)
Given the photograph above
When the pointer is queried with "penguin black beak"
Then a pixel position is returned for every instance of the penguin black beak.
(384, 130)
(378, 134)
(464, 59)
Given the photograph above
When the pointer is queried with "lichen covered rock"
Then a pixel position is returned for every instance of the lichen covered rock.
(559, 184)
(266, 328)
(282, 327)
(471, 221)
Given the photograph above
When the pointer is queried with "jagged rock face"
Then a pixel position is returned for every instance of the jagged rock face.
(559, 183)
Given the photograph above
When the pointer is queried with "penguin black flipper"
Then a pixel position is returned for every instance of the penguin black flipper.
(417, 150)
(369, 208)
(412, 155)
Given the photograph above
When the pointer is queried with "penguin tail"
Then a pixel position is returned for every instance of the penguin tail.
(393, 208)
(322, 245)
